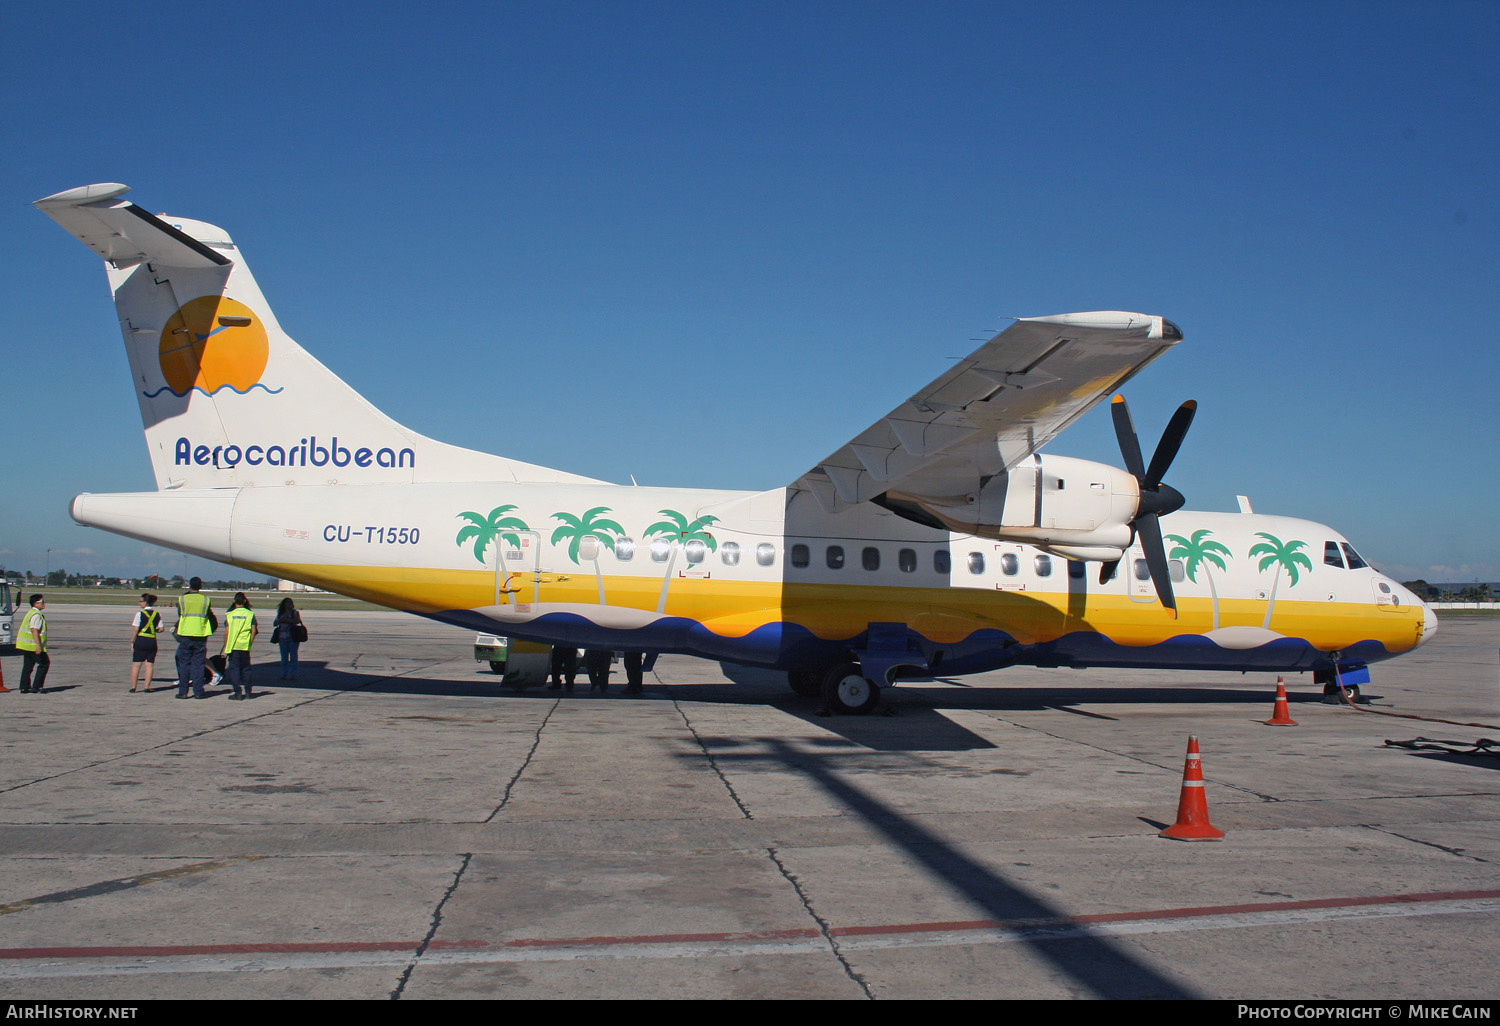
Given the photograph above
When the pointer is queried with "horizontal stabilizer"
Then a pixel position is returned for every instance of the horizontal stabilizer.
(123, 233)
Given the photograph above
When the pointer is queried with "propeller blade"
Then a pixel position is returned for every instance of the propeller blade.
(1107, 570)
(1171, 441)
(1149, 531)
(1130, 445)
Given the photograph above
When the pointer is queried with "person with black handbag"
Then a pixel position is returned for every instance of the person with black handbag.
(288, 633)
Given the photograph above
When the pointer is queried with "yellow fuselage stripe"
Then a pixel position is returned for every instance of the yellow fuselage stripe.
(733, 609)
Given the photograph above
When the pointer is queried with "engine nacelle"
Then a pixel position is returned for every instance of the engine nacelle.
(1076, 509)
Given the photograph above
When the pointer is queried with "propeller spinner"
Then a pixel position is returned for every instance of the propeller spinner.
(1157, 499)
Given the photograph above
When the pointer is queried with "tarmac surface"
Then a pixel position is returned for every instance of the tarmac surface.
(394, 824)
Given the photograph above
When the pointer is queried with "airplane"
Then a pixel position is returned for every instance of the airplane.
(939, 540)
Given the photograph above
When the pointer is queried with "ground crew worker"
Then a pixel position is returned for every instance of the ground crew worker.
(195, 622)
(564, 667)
(633, 673)
(31, 640)
(240, 630)
(143, 631)
(596, 663)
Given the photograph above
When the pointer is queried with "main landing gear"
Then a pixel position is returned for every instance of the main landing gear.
(847, 691)
(844, 688)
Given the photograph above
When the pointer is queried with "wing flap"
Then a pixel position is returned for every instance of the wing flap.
(996, 407)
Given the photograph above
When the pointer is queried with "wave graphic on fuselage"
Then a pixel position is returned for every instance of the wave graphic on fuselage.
(200, 388)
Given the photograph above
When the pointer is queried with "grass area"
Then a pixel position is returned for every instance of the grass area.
(258, 599)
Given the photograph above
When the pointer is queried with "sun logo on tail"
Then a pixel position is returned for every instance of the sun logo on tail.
(212, 343)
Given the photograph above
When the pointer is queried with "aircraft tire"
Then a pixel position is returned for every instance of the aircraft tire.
(807, 683)
(497, 666)
(848, 692)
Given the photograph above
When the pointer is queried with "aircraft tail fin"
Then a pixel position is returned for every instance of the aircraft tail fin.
(228, 398)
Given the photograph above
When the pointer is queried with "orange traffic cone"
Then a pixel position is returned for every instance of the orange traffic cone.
(1281, 716)
(1192, 808)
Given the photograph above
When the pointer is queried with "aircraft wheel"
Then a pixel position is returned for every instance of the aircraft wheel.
(807, 683)
(497, 666)
(849, 692)
(1333, 690)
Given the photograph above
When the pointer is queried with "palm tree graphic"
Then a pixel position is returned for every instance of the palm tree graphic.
(1283, 557)
(680, 530)
(586, 526)
(484, 530)
(1197, 552)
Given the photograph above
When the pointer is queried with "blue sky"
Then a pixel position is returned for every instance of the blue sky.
(706, 244)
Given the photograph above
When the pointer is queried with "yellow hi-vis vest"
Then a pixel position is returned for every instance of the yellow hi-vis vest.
(238, 624)
(192, 616)
(150, 620)
(23, 639)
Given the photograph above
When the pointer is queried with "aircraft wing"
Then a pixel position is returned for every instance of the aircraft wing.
(997, 406)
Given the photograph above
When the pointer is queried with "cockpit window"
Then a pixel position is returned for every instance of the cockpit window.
(1331, 554)
(1355, 563)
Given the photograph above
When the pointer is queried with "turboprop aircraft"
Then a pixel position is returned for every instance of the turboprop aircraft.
(940, 540)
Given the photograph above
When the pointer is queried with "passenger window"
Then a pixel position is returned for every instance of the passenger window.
(1075, 569)
(1355, 563)
(1142, 570)
(1043, 566)
(765, 554)
(1331, 554)
(835, 557)
(1177, 571)
(624, 549)
(976, 562)
(906, 559)
(695, 551)
(870, 557)
(800, 556)
(729, 552)
(1009, 564)
(942, 562)
(660, 549)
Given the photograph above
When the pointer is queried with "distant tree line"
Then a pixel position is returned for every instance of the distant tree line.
(1451, 592)
(152, 582)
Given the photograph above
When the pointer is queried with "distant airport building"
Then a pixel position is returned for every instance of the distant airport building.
(295, 586)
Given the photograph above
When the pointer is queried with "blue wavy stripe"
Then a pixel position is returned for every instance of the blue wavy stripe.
(198, 388)
(786, 645)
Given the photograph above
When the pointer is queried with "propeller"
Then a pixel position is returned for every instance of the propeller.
(1157, 499)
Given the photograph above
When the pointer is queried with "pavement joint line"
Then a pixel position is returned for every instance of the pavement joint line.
(38, 963)
(536, 743)
(210, 730)
(713, 763)
(826, 933)
(1137, 758)
(437, 912)
(437, 921)
(1456, 852)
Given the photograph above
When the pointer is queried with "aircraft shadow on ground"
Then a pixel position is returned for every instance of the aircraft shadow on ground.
(910, 719)
(1092, 962)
